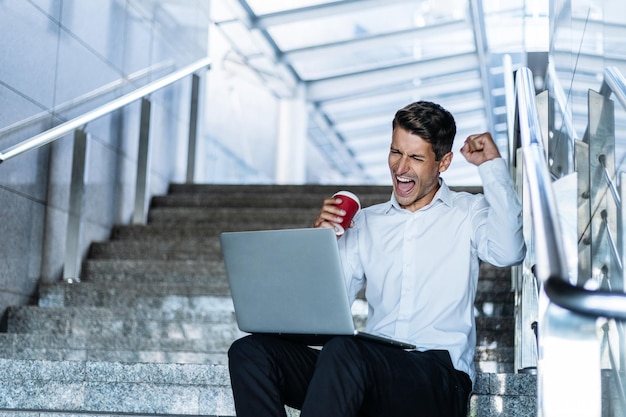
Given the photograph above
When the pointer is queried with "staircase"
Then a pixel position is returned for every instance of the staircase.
(146, 331)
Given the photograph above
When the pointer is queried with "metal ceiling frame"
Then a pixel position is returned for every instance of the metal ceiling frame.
(482, 51)
(370, 41)
(431, 76)
(316, 11)
(346, 85)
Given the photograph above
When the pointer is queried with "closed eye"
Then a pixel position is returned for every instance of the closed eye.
(419, 158)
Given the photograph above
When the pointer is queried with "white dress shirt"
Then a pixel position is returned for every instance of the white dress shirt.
(421, 268)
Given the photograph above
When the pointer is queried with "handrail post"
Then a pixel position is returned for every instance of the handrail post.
(73, 257)
(509, 97)
(622, 248)
(193, 128)
(581, 158)
(141, 184)
(602, 163)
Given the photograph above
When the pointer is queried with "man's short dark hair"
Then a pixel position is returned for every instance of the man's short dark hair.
(429, 121)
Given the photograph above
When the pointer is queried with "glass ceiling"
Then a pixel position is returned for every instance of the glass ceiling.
(361, 60)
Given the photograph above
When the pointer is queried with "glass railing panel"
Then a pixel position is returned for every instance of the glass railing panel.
(565, 336)
(607, 221)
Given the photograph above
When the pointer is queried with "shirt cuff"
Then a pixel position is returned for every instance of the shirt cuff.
(494, 170)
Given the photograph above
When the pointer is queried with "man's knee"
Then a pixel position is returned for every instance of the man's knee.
(341, 349)
(245, 351)
(246, 347)
(239, 346)
(250, 358)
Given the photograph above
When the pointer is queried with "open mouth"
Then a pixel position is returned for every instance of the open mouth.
(404, 185)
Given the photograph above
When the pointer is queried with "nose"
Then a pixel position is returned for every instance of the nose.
(403, 164)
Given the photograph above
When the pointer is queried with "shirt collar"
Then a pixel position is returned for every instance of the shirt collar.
(443, 194)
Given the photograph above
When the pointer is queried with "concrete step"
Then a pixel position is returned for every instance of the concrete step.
(498, 394)
(494, 297)
(110, 387)
(149, 270)
(98, 347)
(193, 322)
(157, 294)
(230, 216)
(138, 348)
(494, 338)
(493, 358)
(494, 283)
(146, 268)
(491, 272)
(207, 248)
(148, 335)
(176, 290)
(501, 324)
(75, 310)
(44, 413)
(189, 296)
(305, 189)
(170, 231)
(123, 322)
(132, 295)
(186, 389)
(317, 190)
(244, 198)
(197, 249)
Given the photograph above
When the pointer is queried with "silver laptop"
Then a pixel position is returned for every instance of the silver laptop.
(290, 283)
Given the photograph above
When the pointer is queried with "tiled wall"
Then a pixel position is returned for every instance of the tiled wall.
(53, 54)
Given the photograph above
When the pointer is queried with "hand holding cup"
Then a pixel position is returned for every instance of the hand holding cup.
(350, 204)
(338, 211)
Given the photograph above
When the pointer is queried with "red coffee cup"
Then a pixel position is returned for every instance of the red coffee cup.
(351, 205)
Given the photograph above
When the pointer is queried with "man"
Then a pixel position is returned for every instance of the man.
(417, 256)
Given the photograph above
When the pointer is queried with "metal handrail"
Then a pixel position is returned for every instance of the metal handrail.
(615, 83)
(91, 95)
(73, 250)
(67, 127)
(551, 263)
(550, 255)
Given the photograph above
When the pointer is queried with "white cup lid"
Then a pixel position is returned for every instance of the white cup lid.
(349, 195)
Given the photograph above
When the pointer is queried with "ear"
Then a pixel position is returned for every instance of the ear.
(445, 162)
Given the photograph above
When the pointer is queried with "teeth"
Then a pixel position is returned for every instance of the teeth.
(400, 179)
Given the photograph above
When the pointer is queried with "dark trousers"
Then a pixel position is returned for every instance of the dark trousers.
(348, 377)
